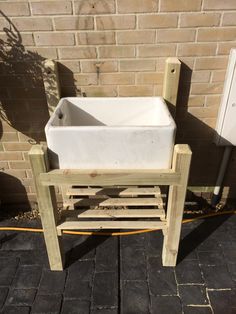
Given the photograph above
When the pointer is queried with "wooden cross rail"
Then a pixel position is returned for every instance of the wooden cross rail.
(131, 196)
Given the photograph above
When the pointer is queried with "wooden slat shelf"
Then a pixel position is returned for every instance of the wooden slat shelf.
(114, 213)
(114, 191)
(105, 202)
(110, 177)
(87, 225)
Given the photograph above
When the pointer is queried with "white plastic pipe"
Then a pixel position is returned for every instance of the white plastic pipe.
(217, 190)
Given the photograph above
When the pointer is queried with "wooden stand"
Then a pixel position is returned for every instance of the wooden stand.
(130, 188)
(170, 223)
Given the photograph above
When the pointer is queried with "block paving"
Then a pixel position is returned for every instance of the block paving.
(111, 275)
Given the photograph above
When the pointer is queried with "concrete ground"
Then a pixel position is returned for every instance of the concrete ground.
(111, 275)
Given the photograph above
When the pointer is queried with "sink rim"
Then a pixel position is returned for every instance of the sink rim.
(49, 126)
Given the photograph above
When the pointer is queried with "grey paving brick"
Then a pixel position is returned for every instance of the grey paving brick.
(230, 252)
(193, 294)
(16, 310)
(165, 304)
(34, 257)
(137, 241)
(27, 277)
(107, 255)
(84, 248)
(232, 270)
(45, 304)
(197, 310)
(209, 244)
(105, 311)
(223, 301)
(22, 241)
(77, 289)
(75, 307)
(21, 297)
(188, 272)
(154, 243)
(105, 289)
(211, 258)
(134, 297)
(8, 269)
(3, 296)
(133, 264)
(52, 282)
(161, 279)
(217, 277)
(82, 270)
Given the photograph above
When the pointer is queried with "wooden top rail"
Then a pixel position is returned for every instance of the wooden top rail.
(110, 177)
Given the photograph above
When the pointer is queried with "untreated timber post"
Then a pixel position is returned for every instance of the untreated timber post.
(47, 206)
(171, 83)
(53, 94)
(51, 84)
(175, 207)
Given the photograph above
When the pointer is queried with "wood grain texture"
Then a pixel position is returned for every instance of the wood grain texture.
(175, 208)
(47, 207)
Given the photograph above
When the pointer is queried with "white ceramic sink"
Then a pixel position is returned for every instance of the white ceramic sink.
(111, 133)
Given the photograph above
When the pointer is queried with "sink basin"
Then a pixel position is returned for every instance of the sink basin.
(111, 133)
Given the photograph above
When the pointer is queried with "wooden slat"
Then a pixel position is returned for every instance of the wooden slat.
(114, 191)
(104, 202)
(115, 213)
(80, 225)
(110, 177)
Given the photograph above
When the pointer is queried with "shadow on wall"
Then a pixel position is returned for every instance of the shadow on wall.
(23, 106)
(206, 156)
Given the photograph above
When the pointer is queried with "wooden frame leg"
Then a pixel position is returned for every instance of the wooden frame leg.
(175, 207)
(47, 207)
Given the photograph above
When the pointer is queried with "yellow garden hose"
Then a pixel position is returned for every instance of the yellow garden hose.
(229, 212)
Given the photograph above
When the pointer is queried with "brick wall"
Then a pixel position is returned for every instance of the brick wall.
(112, 48)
